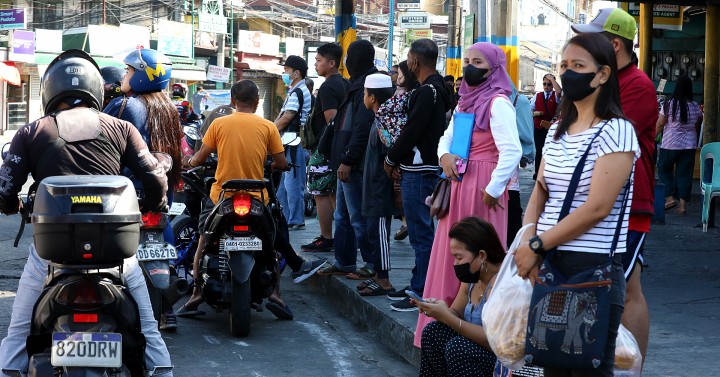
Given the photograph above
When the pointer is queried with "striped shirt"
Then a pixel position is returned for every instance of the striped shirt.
(561, 157)
(676, 134)
(292, 103)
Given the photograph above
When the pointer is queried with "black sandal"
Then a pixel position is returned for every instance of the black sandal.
(376, 290)
(364, 284)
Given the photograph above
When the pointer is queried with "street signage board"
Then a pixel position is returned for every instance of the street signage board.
(12, 19)
(469, 32)
(173, 38)
(414, 20)
(415, 34)
(665, 16)
(407, 4)
(212, 23)
(22, 44)
(218, 74)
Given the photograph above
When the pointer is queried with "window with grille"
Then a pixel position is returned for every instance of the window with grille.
(47, 14)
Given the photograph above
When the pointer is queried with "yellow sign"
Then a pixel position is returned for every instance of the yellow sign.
(413, 35)
(86, 199)
(667, 17)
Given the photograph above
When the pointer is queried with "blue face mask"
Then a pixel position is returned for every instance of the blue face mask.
(286, 78)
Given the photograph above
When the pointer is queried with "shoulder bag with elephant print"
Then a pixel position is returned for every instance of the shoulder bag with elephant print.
(568, 321)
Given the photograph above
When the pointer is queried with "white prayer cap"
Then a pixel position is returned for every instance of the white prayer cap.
(378, 80)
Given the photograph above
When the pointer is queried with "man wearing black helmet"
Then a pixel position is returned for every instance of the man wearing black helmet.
(113, 77)
(74, 138)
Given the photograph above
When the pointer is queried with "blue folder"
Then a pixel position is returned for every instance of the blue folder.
(463, 124)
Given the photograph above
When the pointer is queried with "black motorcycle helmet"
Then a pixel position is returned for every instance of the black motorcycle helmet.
(72, 74)
(112, 77)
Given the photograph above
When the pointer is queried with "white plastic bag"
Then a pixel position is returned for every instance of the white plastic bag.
(505, 313)
(628, 359)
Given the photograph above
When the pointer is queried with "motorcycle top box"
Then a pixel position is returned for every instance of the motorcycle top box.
(85, 220)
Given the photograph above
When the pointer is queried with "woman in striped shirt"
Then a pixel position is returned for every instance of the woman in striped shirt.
(582, 240)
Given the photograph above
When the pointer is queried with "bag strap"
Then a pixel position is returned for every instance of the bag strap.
(572, 189)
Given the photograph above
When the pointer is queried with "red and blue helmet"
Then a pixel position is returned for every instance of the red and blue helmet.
(152, 70)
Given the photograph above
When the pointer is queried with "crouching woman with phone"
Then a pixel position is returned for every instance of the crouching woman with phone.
(455, 343)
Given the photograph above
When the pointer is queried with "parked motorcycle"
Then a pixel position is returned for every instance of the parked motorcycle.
(85, 322)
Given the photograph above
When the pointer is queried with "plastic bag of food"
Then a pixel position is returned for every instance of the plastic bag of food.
(505, 313)
(628, 359)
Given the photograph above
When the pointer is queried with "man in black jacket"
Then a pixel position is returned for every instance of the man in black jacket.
(415, 155)
(352, 128)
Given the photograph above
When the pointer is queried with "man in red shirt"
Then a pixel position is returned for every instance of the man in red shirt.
(544, 108)
(639, 103)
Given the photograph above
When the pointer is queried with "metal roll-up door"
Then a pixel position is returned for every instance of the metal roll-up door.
(266, 93)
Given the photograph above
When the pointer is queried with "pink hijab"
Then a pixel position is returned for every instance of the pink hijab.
(478, 99)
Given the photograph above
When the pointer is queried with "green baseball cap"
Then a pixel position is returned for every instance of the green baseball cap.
(613, 20)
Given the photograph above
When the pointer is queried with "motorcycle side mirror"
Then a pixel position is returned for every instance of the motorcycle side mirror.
(164, 159)
(290, 139)
(192, 132)
(5, 150)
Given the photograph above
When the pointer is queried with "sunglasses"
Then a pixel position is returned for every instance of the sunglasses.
(393, 72)
(547, 84)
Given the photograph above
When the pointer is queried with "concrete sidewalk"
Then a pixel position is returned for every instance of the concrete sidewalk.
(681, 282)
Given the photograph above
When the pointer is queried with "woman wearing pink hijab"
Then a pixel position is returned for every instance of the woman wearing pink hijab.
(494, 155)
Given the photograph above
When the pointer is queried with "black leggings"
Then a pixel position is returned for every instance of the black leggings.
(444, 352)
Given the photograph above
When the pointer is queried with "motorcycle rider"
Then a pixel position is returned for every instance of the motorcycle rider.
(184, 107)
(74, 138)
(242, 141)
(148, 74)
(113, 77)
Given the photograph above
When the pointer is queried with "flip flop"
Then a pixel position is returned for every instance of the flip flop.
(281, 312)
(185, 313)
(364, 284)
(361, 274)
(376, 290)
(669, 206)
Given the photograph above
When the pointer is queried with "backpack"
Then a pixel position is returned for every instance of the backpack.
(308, 138)
(392, 116)
(295, 125)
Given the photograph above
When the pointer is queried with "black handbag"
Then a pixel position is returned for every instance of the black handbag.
(568, 321)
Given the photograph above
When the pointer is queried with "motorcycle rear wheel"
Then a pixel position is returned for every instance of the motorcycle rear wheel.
(240, 308)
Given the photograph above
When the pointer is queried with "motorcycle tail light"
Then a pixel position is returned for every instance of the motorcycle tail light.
(85, 318)
(242, 204)
(152, 220)
(240, 228)
(84, 294)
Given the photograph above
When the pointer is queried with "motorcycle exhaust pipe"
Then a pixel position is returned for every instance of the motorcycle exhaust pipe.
(178, 288)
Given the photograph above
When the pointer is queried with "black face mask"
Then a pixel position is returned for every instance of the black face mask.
(463, 273)
(473, 75)
(576, 86)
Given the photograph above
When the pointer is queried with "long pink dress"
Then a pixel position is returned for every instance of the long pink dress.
(465, 200)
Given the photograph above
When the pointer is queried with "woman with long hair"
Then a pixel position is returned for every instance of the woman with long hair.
(593, 123)
(678, 123)
(493, 158)
(151, 112)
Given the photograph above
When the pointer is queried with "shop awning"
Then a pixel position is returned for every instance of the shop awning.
(9, 73)
(185, 69)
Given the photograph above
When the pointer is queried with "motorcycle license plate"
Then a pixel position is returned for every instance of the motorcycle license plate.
(176, 209)
(101, 350)
(242, 244)
(152, 251)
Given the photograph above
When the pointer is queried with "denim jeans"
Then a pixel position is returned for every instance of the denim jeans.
(350, 225)
(13, 355)
(415, 188)
(675, 170)
(291, 192)
(571, 263)
(378, 229)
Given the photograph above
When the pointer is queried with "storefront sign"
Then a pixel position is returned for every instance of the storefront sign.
(414, 20)
(295, 46)
(218, 74)
(408, 4)
(256, 42)
(217, 98)
(48, 40)
(23, 46)
(133, 36)
(469, 32)
(413, 35)
(12, 19)
(667, 17)
(212, 23)
(174, 38)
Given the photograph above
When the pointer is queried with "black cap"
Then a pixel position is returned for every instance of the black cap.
(296, 62)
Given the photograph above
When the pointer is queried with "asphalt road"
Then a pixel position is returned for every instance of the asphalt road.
(320, 341)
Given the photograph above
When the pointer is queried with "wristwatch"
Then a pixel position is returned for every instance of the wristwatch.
(536, 245)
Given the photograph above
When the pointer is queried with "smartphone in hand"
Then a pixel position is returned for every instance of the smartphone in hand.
(414, 296)
(461, 165)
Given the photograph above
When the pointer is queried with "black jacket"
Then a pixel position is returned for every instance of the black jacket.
(352, 127)
(425, 125)
(94, 144)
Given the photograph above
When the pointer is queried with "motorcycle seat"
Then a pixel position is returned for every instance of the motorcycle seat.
(245, 184)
